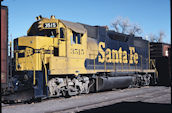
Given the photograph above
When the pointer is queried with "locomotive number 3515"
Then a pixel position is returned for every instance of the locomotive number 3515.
(50, 25)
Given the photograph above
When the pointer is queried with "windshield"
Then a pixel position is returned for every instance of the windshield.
(46, 32)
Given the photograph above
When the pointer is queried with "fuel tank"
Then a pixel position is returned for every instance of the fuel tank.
(108, 83)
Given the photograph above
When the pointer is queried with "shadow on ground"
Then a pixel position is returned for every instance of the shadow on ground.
(132, 107)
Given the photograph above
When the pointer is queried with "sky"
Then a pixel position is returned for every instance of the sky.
(151, 15)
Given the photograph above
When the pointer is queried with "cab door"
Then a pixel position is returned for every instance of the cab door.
(62, 42)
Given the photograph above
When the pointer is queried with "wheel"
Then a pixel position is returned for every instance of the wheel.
(65, 94)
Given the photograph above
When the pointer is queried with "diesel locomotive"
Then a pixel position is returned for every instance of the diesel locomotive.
(62, 58)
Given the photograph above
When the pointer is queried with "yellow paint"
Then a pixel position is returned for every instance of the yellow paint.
(31, 43)
(125, 60)
(101, 57)
(92, 48)
(108, 55)
(120, 55)
(133, 56)
(117, 56)
(71, 56)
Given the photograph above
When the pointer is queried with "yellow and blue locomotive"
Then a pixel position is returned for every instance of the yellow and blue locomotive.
(59, 57)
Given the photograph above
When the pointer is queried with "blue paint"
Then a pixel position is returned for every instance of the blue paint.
(102, 36)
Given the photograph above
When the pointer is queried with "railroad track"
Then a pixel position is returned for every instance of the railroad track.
(93, 100)
(54, 98)
(106, 102)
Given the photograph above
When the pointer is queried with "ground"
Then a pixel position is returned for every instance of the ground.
(145, 99)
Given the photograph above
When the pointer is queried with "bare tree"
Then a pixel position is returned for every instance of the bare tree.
(161, 36)
(116, 23)
(135, 28)
(121, 24)
(152, 37)
(124, 24)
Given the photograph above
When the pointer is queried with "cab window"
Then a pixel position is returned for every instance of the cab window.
(61, 32)
(79, 38)
(76, 38)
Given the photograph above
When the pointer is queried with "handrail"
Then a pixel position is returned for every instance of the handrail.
(34, 76)
(152, 63)
(44, 67)
(142, 60)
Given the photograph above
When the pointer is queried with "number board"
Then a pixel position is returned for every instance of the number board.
(50, 25)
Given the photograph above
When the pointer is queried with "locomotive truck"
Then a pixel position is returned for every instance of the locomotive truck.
(62, 58)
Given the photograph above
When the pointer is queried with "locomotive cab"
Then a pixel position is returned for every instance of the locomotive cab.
(51, 47)
(52, 42)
